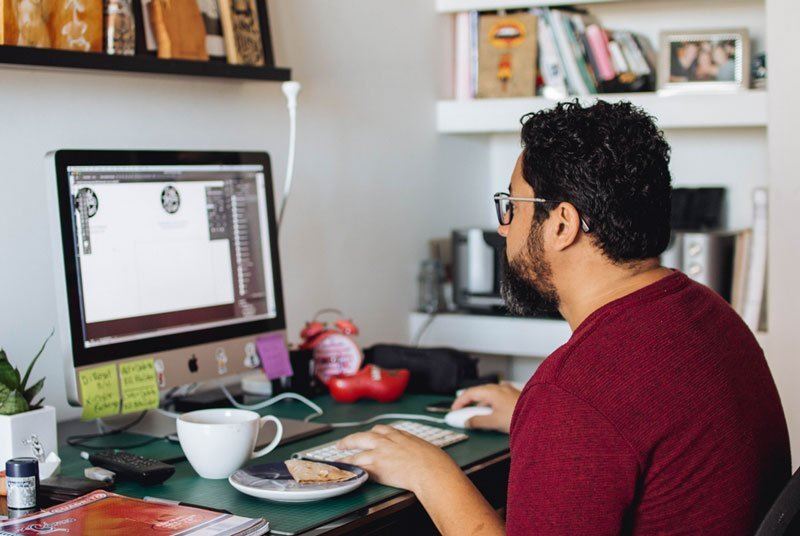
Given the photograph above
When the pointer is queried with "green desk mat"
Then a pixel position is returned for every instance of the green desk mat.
(287, 518)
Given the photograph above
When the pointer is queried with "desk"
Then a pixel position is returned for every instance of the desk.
(372, 508)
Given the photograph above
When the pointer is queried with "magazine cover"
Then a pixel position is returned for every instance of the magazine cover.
(105, 513)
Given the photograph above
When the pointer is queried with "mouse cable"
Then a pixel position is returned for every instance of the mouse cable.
(265, 403)
(318, 410)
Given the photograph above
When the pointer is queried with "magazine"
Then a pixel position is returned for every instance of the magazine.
(109, 514)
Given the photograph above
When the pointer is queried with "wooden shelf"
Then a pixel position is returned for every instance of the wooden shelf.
(700, 110)
(66, 59)
(500, 335)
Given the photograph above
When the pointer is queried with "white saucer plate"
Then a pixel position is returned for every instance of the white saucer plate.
(272, 482)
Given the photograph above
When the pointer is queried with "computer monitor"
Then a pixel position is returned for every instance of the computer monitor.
(165, 255)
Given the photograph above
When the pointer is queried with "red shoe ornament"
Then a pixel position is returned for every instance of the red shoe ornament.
(372, 382)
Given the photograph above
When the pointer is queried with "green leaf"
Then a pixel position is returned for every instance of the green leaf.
(7, 372)
(37, 404)
(30, 367)
(13, 404)
(4, 392)
(33, 390)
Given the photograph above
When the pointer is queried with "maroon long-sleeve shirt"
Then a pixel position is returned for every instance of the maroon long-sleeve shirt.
(658, 416)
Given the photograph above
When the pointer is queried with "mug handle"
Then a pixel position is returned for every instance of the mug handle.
(274, 442)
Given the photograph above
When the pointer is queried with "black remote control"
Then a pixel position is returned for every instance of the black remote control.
(127, 466)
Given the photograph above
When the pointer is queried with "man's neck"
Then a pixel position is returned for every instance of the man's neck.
(580, 295)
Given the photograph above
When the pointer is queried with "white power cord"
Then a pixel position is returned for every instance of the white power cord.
(318, 410)
(417, 339)
(283, 396)
(170, 414)
(290, 90)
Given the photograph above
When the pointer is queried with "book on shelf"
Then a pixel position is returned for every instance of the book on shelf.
(463, 56)
(575, 81)
(572, 54)
(102, 512)
(741, 256)
(550, 62)
(598, 44)
(473, 53)
(756, 278)
(748, 285)
(507, 55)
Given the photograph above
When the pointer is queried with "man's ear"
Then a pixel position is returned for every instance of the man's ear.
(567, 225)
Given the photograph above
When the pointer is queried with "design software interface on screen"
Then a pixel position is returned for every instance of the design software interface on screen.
(169, 249)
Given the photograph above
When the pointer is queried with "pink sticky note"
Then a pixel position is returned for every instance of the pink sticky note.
(274, 356)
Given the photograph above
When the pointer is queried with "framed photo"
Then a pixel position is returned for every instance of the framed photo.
(704, 60)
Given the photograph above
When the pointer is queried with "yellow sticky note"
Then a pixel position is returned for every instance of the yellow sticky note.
(99, 392)
(139, 385)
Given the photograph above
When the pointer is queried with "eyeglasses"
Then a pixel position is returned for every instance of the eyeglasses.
(504, 204)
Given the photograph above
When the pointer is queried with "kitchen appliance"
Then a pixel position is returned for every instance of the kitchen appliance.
(477, 265)
(706, 257)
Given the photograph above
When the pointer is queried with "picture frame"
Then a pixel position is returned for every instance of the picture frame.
(704, 60)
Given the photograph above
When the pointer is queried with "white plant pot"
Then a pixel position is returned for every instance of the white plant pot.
(16, 431)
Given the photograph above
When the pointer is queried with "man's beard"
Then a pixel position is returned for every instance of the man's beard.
(527, 287)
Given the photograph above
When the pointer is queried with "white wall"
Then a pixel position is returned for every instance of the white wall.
(784, 245)
(369, 189)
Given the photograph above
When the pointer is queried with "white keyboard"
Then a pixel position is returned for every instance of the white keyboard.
(440, 437)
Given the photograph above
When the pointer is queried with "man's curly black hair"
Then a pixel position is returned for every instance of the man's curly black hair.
(612, 163)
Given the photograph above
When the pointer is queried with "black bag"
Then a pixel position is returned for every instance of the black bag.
(433, 370)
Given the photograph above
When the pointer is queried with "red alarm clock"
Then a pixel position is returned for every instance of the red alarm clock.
(335, 350)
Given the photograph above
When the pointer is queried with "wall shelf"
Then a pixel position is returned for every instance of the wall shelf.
(500, 335)
(453, 6)
(700, 110)
(66, 59)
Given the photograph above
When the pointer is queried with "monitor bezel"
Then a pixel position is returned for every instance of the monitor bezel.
(83, 356)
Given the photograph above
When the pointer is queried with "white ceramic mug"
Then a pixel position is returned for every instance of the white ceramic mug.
(217, 442)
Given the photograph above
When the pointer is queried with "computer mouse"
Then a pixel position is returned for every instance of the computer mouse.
(460, 417)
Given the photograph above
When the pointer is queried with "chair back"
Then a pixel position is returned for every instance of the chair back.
(782, 518)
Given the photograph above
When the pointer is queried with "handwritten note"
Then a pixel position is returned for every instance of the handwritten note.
(99, 392)
(139, 385)
(274, 356)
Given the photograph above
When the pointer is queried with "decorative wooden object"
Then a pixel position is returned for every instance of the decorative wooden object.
(243, 39)
(179, 29)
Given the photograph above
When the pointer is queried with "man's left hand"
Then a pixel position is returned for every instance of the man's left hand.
(396, 458)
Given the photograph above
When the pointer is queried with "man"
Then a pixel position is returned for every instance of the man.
(659, 415)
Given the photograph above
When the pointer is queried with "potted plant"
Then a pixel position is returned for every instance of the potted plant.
(27, 428)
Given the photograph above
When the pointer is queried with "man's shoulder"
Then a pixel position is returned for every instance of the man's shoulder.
(630, 352)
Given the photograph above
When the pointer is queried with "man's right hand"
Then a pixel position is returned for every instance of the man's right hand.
(501, 398)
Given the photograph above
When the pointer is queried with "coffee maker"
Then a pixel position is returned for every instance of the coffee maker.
(477, 265)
